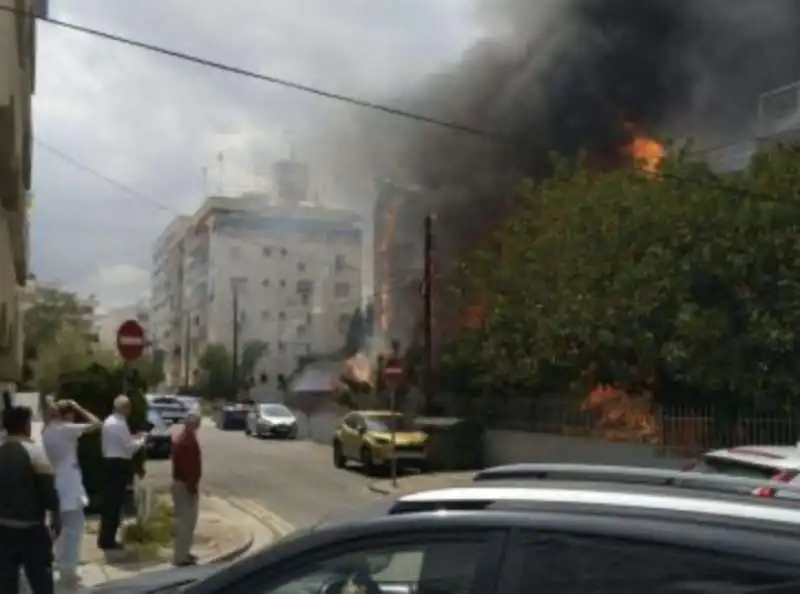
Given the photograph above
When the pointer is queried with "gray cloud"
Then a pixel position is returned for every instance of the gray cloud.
(152, 122)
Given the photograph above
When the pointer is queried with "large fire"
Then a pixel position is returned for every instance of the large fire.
(384, 289)
(646, 152)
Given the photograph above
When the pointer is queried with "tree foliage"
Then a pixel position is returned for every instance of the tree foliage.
(216, 373)
(686, 285)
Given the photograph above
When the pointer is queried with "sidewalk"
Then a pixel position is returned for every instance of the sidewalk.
(420, 482)
(223, 534)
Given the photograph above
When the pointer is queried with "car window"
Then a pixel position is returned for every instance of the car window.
(440, 567)
(711, 465)
(389, 423)
(568, 564)
(275, 410)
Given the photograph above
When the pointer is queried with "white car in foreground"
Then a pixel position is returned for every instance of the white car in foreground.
(780, 464)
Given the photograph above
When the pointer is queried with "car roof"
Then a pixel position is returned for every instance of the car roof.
(377, 413)
(779, 457)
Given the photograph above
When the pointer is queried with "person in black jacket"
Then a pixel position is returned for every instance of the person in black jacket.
(28, 498)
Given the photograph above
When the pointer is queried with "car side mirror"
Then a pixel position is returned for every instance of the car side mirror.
(362, 430)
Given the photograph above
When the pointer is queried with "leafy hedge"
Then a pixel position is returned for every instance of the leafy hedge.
(95, 389)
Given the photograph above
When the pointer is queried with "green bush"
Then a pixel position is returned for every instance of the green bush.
(95, 389)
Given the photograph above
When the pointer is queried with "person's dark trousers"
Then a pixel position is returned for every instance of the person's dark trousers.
(118, 475)
(30, 549)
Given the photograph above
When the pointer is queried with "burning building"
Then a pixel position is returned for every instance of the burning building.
(600, 76)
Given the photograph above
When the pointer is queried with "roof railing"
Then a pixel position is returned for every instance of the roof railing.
(633, 475)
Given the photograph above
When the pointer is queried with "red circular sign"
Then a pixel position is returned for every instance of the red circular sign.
(392, 372)
(130, 340)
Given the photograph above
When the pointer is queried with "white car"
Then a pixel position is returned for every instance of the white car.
(271, 420)
(777, 463)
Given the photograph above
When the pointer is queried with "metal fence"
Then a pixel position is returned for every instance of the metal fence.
(675, 431)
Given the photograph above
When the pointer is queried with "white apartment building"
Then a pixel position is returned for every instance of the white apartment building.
(295, 271)
(17, 80)
(168, 324)
(778, 122)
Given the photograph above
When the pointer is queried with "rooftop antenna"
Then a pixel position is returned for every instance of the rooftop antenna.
(220, 163)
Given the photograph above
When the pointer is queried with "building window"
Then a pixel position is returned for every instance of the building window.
(283, 252)
(341, 290)
(282, 316)
(265, 283)
(304, 289)
(340, 263)
(281, 347)
(343, 322)
(301, 267)
(283, 284)
(267, 252)
(309, 318)
(265, 314)
(301, 330)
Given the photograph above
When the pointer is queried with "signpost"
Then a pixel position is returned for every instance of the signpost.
(130, 345)
(392, 374)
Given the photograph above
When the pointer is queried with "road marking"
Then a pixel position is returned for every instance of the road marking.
(273, 521)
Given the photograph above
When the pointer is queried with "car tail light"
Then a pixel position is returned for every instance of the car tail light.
(784, 476)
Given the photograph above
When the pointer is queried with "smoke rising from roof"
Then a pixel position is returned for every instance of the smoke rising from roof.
(568, 75)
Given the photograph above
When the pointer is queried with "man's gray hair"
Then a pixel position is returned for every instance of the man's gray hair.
(121, 401)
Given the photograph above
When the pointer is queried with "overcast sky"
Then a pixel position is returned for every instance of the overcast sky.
(151, 123)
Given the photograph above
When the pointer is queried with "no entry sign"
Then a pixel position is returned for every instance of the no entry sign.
(393, 372)
(130, 340)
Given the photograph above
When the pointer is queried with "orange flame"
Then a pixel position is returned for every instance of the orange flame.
(646, 152)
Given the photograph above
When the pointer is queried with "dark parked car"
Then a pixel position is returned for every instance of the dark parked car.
(231, 416)
(159, 437)
(550, 529)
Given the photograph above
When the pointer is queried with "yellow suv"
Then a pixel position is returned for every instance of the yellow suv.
(365, 436)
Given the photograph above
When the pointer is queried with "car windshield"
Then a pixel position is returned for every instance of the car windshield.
(389, 423)
(275, 410)
(155, 420)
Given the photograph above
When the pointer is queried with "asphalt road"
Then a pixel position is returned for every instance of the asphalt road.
(294, 479)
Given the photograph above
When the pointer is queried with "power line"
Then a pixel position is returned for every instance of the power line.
(255, 75)
(455, 126)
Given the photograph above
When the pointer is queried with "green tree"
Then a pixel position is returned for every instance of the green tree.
(356, 333)
(69, 350)
(49, 310)
(684, 285)
(253, 350)
(150, 368)
(216, 373)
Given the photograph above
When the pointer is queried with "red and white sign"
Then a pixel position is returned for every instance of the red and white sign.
(393, 372)
(130, 340)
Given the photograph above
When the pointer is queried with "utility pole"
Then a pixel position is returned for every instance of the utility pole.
(187, 319)
(236, 283)
(427, 328)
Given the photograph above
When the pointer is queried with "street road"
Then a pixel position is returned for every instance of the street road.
(295, 480)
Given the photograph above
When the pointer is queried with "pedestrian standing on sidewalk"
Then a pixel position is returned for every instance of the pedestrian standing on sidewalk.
(60, 438)
(186, 472)
(27, 495)
(119, 446)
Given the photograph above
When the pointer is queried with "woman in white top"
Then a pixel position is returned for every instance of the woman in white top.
(60, 440)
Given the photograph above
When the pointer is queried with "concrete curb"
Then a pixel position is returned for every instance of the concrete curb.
(376, 487)
(234, 552)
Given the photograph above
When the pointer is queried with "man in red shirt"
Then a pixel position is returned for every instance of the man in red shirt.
(186, 473)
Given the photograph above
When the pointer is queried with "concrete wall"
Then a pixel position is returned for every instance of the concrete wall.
(506, 447)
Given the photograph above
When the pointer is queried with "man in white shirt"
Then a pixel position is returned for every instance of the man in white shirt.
(60, 439)
(119, 446)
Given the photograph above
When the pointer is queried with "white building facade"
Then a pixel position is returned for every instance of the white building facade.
(292, 274)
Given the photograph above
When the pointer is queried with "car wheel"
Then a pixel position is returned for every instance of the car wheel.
(367, 464)
(247, 432)
(339, 460)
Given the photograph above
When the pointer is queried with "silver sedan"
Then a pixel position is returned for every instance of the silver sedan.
(271, 420)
